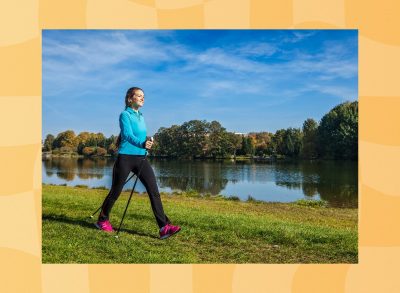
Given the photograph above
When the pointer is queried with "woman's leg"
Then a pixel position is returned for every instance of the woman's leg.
(121, 169)
(148, 179)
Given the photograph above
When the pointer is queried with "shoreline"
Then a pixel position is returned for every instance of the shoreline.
(269, 159)
(194, 194)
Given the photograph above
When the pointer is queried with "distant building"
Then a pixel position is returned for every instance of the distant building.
(242, 134)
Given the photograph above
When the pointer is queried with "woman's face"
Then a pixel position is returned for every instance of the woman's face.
(138, 99)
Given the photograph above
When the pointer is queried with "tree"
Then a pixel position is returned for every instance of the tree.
(247, 146)
(112, 149)
(82, 140)
(48, 143)
(168, 141)
(100, 139)
(278, 142)
(338, 132)
(218, 142)
(233, 143)
(193, 135)
(96, 140)
(110, 141)
(261, 141)
(287, 142)
(310, 128)
(66, 139)
(292, 142)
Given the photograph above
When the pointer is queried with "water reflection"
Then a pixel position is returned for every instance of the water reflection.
(335, 182)
(204, 177)
(68, 168)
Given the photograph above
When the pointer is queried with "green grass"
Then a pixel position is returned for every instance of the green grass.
(214, 230)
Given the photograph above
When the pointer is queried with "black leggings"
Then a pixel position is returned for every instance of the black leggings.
(122, 166)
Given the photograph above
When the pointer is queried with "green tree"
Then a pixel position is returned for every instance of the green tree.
(247, 146)
(287, 142)
(278, 142)
(233, 143)
(310, 128)
(48, 143)
(292, 142)
(168, 141)
(193, 134)
(218, 141)
(109, 141)
(338, 132)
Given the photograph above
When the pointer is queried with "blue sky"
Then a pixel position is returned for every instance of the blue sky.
(248, 80)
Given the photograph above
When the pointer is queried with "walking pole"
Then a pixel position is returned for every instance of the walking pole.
(107, 196)
(134, 185)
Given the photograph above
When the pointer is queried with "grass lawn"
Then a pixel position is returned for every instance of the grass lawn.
(214, 230)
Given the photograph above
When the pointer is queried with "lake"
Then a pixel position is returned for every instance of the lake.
(333, 181)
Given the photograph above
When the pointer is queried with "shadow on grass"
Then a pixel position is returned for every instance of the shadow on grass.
(86, 224)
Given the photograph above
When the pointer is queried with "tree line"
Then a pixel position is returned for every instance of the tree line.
(85, 143)
(334, 137)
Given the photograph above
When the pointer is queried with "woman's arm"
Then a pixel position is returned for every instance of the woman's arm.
(126, 131)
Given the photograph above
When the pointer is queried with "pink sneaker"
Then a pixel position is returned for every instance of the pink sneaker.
(169, 230)
(104, 225)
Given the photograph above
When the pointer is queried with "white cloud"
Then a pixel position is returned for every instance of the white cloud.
(297, 36)
(257, 50)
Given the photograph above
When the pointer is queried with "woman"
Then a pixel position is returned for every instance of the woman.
(132, 146)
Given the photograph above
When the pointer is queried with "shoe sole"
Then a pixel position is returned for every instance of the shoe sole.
(169, 235)
(98, 227)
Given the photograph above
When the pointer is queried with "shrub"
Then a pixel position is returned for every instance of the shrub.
(311, 203)
(101, 151)
(55, 151)
(234, 198)
(251, 199)
(99, 187)
(66, 150)
(88, 151)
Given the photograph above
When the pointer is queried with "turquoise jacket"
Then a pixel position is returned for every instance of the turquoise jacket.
(133, 132)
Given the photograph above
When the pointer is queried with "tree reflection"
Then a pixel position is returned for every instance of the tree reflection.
(89, 168)
(204, 177)
(65, 168)
(68, 168)
(334, 181)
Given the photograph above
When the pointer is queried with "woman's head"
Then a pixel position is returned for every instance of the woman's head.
(134, 97)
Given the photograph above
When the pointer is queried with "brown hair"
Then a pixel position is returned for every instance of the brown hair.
(128, 102)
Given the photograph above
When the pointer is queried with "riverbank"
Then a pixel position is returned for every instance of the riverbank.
(49, 155)
(214, 230)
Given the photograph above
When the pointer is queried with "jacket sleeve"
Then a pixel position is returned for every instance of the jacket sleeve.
(127, 133)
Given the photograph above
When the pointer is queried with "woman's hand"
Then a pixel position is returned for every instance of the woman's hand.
(148, 144)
